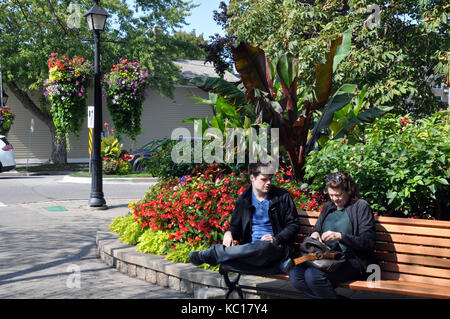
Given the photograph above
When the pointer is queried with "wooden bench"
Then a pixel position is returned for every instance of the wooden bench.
(413, 255)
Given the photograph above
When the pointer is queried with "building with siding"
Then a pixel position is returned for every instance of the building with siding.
(160, 116)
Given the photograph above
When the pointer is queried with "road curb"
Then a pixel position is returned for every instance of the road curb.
(133, 180)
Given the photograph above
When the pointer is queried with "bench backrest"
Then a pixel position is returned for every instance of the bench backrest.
(414, 250)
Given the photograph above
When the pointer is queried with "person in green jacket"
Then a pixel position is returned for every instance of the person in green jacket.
(345, 219)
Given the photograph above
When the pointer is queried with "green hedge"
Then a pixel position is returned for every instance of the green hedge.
(402, 168)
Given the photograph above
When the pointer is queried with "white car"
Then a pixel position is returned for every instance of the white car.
(7, 161)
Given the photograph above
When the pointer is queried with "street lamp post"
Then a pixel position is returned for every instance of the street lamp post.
(96, 19)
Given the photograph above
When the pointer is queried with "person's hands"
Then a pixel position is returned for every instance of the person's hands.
(227, 239)
(316, 236)
(270, 238)
(331, 236)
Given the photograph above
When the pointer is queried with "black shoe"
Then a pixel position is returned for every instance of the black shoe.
(195, 258)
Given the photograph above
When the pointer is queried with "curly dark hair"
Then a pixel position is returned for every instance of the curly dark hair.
(345, 182)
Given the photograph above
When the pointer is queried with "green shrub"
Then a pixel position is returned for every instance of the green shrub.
(119, 223)
(129, 231)
(154, 242)
(401, 169)
(110, 147)
(160, 164)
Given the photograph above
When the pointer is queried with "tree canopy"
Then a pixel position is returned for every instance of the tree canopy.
(32, 29)
(396, 45)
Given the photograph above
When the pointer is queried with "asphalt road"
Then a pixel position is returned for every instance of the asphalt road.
(50, 254)
(17, 188)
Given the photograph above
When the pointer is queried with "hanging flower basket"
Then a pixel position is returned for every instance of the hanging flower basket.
(66, 90)
(6, 119)
(124, 89)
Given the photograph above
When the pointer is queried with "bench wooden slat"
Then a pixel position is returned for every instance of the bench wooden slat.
(307, 221)
(387, 275)
(302, 213)
(413, 230)
(416, 270)
(413, 222)
(413, 249)
(414, 259)
(404, 288)
(305, 229)
(412, 239)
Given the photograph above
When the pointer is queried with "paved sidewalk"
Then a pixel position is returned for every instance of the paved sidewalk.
(48, 252)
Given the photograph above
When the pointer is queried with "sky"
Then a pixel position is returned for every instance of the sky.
(202, 20)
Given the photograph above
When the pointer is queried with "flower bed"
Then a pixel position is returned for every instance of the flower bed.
(193, 213)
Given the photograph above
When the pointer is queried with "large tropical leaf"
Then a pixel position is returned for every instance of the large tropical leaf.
(324, 76)
(344, 49)
(224, 88)
(340, 99)
(254, 69)
(287, 70)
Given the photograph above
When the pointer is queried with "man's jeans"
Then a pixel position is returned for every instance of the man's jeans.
(260, 257)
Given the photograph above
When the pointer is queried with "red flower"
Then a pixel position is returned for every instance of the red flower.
(405, 121)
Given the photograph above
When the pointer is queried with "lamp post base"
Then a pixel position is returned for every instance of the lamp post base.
(103, 207)
(97, 203)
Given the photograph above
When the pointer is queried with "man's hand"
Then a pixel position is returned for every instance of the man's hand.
(227, 239)
(331, 236)
(270, 238)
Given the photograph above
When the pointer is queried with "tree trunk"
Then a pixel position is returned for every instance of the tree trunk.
(59, 148)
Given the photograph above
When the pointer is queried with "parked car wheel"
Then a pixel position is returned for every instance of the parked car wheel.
(139, 165)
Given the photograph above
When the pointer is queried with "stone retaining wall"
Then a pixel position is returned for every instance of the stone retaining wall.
(185, 278)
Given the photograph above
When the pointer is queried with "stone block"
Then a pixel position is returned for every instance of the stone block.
(162, 279)
(174, 283)
(150, 276)
(132, 270)
(186, 286)
(140, 272)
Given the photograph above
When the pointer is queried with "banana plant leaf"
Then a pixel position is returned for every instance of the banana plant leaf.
(254, 69)
(287, 70)
(324, 76)
(343, 50)
(340, 99)
(217, 85)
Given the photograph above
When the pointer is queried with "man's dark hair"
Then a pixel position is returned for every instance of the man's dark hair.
(255, 168)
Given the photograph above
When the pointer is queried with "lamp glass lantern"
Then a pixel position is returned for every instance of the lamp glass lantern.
(96, 18)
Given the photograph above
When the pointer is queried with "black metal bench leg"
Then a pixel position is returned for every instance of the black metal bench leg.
(232, 285)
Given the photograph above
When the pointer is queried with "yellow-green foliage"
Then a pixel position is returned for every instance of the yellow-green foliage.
(154, 242)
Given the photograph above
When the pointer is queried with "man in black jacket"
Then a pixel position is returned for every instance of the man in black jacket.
(265, 223)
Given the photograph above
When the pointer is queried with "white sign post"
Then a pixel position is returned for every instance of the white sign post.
(90, 117)
(29, 140)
